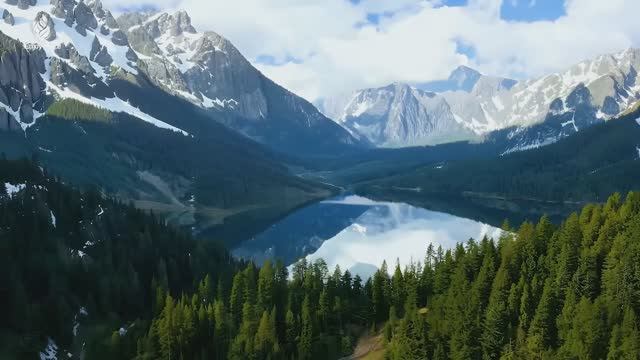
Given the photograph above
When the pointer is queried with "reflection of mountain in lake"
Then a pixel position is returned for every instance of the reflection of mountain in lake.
(396, 231)
(302, 232)
(358, 234)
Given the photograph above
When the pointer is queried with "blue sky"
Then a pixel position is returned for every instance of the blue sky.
(532, 10)
(511, 10)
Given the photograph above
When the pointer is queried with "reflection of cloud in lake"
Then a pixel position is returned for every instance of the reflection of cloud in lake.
(352, 200)
(390, 231)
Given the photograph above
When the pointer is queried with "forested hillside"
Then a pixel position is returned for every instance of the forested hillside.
(538, 292)
(87, 276)
(76, 266)
(588, 166)
(196, 182)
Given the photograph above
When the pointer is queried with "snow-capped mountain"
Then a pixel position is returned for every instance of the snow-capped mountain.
(400, 115)
(77, 49)
(404, 115)
(463, 78)
(533, 112)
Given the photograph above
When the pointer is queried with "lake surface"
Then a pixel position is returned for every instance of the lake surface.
(358, 234)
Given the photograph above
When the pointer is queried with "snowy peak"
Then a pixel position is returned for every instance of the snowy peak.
(464, 78)
(542, 110)
(397, 115)
(78, 50)
(203, 68)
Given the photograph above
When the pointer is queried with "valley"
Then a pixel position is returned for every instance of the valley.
(164, 195)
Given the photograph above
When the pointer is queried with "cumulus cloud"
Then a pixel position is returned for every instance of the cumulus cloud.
(337, 50)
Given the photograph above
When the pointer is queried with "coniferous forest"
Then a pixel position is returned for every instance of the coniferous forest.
(102, 279)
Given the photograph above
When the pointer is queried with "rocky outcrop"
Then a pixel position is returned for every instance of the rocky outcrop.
(234, 77)
(21, 84)
(163, 73)
(110, 21)
(101, 13)
(175, 24)
(142, 42)
(96, 8)
(88, 85)
(119, 38)
(63, 9)
(25, 4)
(69, 52)
(100, 54)
(131, 55)
(44, 27)
(84, 18)
(8, 17)
(7, 121)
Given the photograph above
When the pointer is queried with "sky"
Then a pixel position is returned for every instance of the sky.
(321, 48)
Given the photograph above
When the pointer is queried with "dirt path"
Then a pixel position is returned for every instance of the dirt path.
(369, 347)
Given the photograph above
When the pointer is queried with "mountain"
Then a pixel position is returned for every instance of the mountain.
(524, 114)
(78, 93)
(207, 70)
(79, 50)
(586, 166)
(463, 78)
(400, 115)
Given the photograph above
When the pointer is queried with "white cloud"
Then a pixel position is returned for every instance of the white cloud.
(417, 43)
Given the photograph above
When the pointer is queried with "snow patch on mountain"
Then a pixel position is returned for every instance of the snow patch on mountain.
(23, 30)
(530, 146)
(114, 104)
(591, 91)
(12, 189)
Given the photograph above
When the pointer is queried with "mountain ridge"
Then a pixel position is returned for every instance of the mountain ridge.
(82, 51)
(112, 127)
(596, 90)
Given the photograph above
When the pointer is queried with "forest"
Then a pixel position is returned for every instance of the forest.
(104, 280)
(539, 292)
(588, 166)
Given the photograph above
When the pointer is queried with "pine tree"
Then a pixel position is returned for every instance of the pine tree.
(291, 335)
(307, 334)
(266, 286)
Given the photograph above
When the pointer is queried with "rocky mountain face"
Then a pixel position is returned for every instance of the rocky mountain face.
(524, 114)
(78, 49)
(400, 115)
(21, 86)
(207, 70)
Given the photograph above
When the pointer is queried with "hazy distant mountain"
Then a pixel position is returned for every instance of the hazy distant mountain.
(463, 78)
(535, 112)
(399, 115)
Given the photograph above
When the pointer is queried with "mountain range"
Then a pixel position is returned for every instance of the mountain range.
(146, 108)
(80, 50)
(472, 106)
